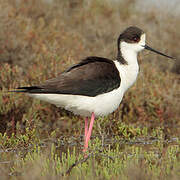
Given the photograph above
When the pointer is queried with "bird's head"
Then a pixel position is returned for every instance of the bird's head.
(133, 39)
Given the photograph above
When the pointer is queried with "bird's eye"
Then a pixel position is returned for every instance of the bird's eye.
(136, 38)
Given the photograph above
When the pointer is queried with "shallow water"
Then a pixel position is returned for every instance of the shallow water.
(62, 144)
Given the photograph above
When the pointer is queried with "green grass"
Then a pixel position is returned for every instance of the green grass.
(140, 140)
(156, 160)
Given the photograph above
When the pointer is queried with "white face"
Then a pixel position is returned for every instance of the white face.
(135, 47)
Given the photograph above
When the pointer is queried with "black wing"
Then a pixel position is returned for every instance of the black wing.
(92, 76)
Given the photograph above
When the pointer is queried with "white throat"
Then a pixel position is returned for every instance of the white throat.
(129, 55)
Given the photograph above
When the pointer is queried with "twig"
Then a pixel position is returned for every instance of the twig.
(76, 163)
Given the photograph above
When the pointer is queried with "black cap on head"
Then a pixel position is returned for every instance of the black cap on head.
(131, 35)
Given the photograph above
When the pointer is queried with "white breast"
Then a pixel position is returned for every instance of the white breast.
(128, 74)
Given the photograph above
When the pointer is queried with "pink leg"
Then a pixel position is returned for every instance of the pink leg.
(86, 128)
(89, 132)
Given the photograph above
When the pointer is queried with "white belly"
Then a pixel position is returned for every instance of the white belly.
(101, 105)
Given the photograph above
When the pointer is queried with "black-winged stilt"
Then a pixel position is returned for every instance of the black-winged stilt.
(95, 86)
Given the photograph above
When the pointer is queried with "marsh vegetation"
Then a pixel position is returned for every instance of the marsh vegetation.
(140, 140)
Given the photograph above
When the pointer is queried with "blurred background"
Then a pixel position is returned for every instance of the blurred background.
(39, 39)
(30, 28)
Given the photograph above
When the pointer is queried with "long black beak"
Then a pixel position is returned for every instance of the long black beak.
(153, 50)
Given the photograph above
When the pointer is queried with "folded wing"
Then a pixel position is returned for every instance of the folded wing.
(92, 76)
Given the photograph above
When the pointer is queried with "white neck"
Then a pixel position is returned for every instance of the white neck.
(128, 53)
(129, 71)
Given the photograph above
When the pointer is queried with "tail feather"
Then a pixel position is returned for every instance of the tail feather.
(30, 89)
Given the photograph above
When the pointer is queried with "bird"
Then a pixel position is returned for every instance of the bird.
(96, 85)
